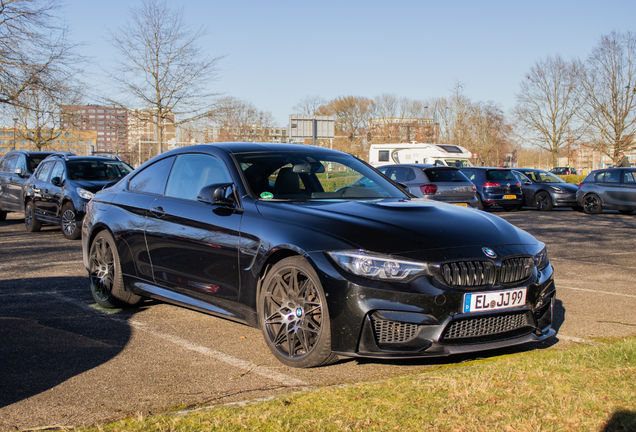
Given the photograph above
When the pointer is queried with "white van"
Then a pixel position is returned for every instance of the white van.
(408, 153)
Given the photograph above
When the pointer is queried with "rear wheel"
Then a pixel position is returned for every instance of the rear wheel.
(480, 203)
(592, 204)
(31, 223)
(293, 315)
(69, 223)
(107, 284)
(543, 201)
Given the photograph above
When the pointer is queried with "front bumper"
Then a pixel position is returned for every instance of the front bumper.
(367, 321)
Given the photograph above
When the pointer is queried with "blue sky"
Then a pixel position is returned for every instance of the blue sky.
(279, 51)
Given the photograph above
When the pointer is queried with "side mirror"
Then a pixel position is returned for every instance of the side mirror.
(19, 172)
(217, 194)
(56, 181)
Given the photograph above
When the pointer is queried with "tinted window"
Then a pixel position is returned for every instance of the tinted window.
(401, 174)
(152, 179)
(44, 170)
(33, 162)
(191, 172)
(500, 175)
(608, 176)
(8, 162)
(629, 177)
(97, 170)
(58, 171)
(470, 174)
(445, 175)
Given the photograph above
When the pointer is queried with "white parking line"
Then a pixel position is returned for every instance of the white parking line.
(596, 291)
(218, 355)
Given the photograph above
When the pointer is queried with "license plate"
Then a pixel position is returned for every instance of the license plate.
(496, 300)
(461, 204)
(510, 196)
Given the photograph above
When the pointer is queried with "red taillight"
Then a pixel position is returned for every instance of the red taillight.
(580, 184)
(518, 184)
(429, 189)
(491, 184)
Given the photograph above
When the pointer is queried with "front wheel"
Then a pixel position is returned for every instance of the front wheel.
(543, 201)
(69, 223)
(293, 315)
(592, 204)
(31, 222)
(107, 284)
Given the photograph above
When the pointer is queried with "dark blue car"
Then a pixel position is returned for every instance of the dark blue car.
(495, 187)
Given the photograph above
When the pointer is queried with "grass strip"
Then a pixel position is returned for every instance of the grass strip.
(586, 388)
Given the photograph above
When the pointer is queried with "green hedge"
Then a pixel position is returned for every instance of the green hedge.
(575, 179)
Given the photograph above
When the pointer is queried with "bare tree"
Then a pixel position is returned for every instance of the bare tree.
(309, 105)
(238, 120)
(609, 86)
(352, 122)
(34, 51)
(548, 104)
(161, 67)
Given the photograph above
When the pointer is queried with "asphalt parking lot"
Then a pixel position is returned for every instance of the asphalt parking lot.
(66, 362)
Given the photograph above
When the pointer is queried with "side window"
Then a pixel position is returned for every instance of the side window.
(400, 174)
(608, 176)
(59, 171)
(8, 162)
(629, 177)
(470, 174)
(21, 163)
(152, 179)
(44, 170)
(191, 172)
(383, 155)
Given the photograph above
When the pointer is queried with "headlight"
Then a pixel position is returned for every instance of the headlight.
(541, 259)
(83, 193)
(558, 189)
(381, 267)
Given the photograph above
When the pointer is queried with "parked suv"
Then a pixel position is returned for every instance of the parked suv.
(563, 171)
(15, 169)
(439, 183)
(62, 185)
(495, 187)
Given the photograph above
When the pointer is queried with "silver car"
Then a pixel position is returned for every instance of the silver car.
(608, 189)
(440, 183)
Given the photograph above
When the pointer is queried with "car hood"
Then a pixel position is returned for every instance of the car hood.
(92, 185)
(570, 187)
(398, 226)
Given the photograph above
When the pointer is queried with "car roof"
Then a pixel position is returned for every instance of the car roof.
(30, 153)
(252, 147)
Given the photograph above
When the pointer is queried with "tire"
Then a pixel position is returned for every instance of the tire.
(31, 222)
(107, 284)
(543, 201)
(3, 215)
(592, 204)
(293, 315)
(71, 228)
(626, 212)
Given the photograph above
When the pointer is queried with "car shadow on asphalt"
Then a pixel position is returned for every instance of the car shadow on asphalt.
(49, 335)
(621, 420)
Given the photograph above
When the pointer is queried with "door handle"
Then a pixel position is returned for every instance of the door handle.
(158, 211)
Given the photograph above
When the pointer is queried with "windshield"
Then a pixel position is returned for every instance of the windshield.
(459, 163)
(543, 177)
(97, 170)
(308, 175)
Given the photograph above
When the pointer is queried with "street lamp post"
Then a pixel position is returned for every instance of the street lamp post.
(15, 133)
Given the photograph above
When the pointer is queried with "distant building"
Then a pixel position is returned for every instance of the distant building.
(249, 133)
(110, 124)
(403, 129)
(79, 142)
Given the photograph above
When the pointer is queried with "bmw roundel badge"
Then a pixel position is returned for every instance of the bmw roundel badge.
(489, 252)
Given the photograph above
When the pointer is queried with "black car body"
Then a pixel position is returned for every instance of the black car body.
(62, 185)
(544, 190)
(439, 183)
(495, 187)
(15, 169)
(282, 237)
(609, 189)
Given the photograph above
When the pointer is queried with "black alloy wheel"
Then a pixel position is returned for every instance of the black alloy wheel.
(107, 284)
(68, 222)
(592, 204)
(543, 201)
(31, 222)
(293, 315)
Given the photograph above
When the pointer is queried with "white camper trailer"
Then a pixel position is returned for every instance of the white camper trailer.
(408, 153)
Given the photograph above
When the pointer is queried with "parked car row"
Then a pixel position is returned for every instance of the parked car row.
(54, 188)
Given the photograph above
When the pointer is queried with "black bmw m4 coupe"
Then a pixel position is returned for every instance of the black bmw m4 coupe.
(328, 257)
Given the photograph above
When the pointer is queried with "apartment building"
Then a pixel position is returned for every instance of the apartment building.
(109, 123)
(79, 142)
